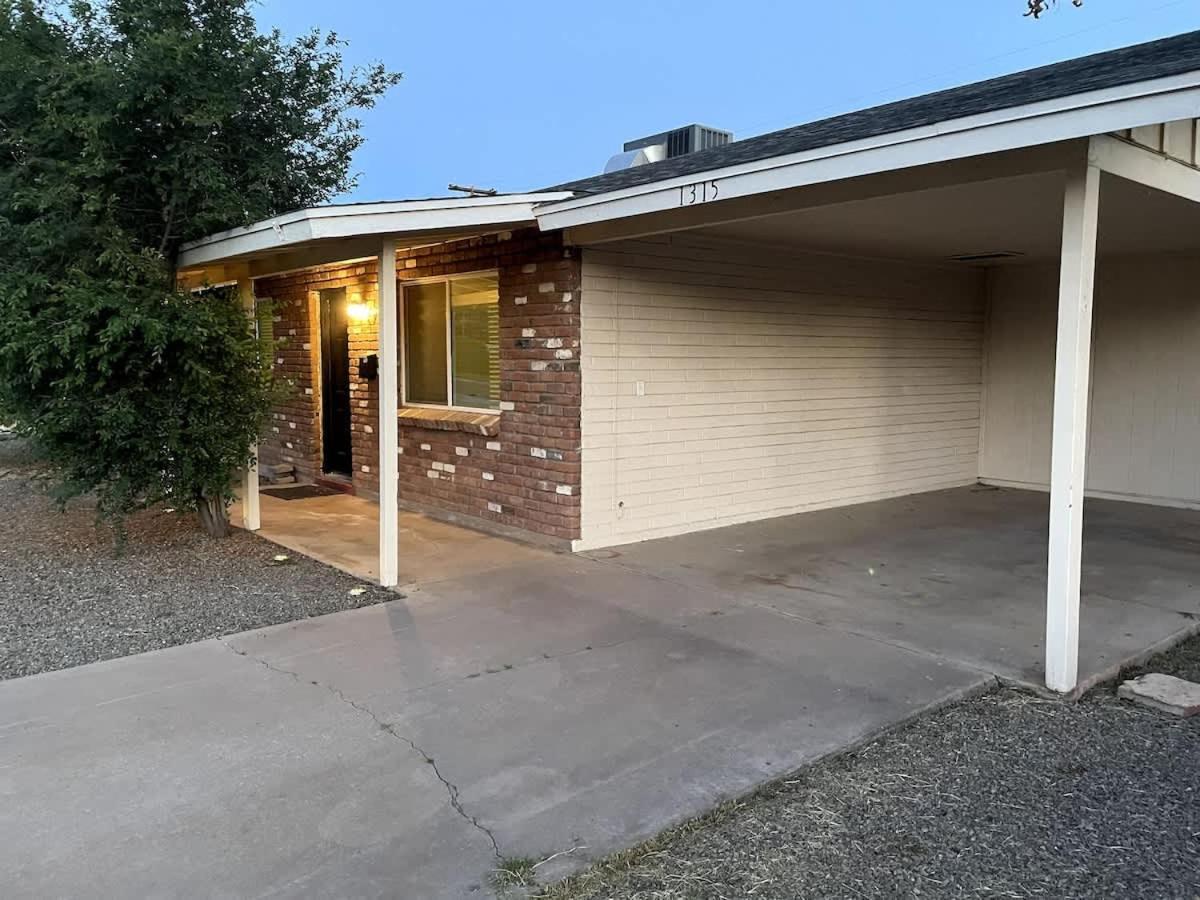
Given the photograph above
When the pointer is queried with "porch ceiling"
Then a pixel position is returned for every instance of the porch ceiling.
(1021, 214)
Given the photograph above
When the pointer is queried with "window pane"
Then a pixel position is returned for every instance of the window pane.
(475, 308)
(264, 315)
(425, 342)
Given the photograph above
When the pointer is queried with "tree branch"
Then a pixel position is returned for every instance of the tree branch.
(1037, 7)
(169, 219)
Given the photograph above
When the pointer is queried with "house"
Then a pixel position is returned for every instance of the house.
(894, 301)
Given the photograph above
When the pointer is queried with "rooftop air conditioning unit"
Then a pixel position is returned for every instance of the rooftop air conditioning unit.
(667, 145)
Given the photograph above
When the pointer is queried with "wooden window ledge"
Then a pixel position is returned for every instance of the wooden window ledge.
(487, 424)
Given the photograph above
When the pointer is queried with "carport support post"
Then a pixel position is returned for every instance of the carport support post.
(1072, 364)
(251, 513)
(389, 423)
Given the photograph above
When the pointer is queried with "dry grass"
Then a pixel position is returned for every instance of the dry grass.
(514, 872)
(1004, 795)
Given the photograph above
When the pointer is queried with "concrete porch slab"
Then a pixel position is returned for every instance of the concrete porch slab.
(343, 531)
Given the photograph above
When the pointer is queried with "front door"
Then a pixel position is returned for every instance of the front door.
(335, 382)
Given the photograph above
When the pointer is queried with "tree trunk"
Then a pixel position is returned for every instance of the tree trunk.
(214, 516)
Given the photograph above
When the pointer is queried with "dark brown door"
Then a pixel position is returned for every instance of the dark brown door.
(335, 382)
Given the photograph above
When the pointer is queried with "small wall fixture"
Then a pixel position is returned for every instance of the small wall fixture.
(368, 367)
(358, 311)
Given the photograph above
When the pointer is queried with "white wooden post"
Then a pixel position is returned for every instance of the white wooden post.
(389, 425)
(1072, 365)
(251, 510)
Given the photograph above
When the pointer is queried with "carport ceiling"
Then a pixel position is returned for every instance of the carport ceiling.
(1021, 214)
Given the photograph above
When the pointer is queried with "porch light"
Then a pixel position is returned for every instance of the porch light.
(358, 311)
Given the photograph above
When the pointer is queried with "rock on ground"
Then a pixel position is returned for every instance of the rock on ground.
(69, 597)
(1164, 693)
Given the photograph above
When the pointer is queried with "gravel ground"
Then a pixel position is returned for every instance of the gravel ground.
(68, 598)
(1005, 795)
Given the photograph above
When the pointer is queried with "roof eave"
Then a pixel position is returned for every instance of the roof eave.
(1061, 119)
(329, 223)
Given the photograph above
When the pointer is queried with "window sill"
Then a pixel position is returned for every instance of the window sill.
(487, 424)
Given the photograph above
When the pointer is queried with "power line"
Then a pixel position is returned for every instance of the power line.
(857, 101)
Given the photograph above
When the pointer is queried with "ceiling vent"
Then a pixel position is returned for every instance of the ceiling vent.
(667, 145)
(986, 257)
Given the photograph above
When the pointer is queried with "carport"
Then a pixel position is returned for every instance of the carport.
(899, 331)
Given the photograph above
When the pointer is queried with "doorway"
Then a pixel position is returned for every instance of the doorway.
(335, 383)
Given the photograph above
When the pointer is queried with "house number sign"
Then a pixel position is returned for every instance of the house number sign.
(700, 192)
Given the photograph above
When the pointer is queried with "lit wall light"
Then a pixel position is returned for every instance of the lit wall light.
(358, 311)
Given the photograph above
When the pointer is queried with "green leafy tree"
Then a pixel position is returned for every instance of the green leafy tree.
(128, 127)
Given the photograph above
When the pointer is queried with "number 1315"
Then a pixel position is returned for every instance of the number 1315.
(700, 192)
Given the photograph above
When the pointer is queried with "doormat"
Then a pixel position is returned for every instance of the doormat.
(298, 491)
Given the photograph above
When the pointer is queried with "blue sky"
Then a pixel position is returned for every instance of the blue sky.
(527, 93)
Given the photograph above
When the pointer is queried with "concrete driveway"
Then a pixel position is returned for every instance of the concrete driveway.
(548, 705)
(398, 750)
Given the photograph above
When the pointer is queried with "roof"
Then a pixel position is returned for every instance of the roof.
(1115, 68)
(1144, 84)
(408, 218)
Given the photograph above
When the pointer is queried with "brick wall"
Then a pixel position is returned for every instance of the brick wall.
(295, 435)
(527, 475)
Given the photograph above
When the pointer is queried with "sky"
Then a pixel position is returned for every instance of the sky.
(523, 94)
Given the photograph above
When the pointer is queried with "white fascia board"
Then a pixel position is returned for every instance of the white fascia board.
(353, 220)
(1066, 118)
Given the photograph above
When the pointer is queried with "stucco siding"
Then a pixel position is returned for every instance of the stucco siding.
(1144, 424)
(724, 383)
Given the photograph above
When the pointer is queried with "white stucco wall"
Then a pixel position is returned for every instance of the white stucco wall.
(1144, 432)
(771, 383)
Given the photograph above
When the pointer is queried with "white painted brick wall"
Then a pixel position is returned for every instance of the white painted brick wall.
(1144, 425)
(773, 384)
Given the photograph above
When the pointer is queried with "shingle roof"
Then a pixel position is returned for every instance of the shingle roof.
(1142, 62)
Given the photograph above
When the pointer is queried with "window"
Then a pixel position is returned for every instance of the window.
(452, 342)
(264, 320)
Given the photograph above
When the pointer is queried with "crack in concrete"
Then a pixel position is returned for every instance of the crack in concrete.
(451, 788)
(530, 661)
(505, 668)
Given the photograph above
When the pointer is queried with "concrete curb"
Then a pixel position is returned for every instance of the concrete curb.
(1108, 674)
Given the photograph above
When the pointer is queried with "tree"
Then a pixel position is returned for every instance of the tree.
(128, 127)
(1037, 7)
